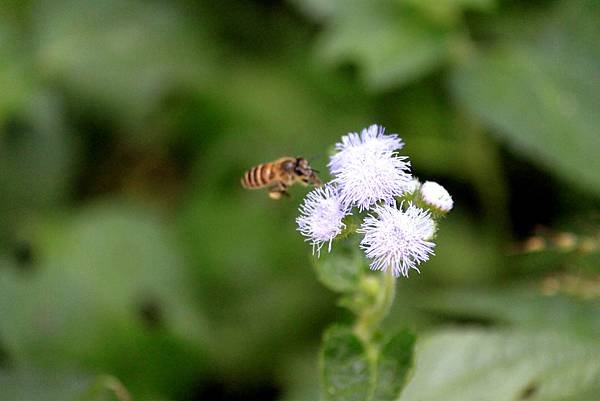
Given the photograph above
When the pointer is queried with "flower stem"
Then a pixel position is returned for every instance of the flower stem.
(369, 320)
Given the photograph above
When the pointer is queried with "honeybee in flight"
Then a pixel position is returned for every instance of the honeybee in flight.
(278, 175)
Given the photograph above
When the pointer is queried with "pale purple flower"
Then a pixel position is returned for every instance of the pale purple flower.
(398, 239)
(321, 216)
(367, 169)
(435, 195)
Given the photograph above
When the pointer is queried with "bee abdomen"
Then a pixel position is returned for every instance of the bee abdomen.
(257, 177)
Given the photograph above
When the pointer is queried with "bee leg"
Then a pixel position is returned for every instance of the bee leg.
(276, 195)
(314, 180)
(278, 191)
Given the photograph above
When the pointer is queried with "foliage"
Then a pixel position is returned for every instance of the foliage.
(128, 250)
(352, 372)
(501, 365)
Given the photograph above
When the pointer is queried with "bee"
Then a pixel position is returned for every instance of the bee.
(278, 175)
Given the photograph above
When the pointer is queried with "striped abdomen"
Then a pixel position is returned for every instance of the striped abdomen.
(258, 176)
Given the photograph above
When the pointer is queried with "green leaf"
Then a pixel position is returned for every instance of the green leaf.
(122, 56)
(542, 95)
(15, 73)
(390, 44)
(58, 384)
(340, 270)
(36, 159)
(520, 306)
(450, 11)
(106, 387)
(466, 252)
(350, 371)
(481, 365)
(393, 365)
(317, 9)
(440, 10)
(347, 374)
(106, 286)
(35, 384)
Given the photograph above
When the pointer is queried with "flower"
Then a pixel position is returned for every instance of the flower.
(366, 168)
(398, 239)
(435, 195)
(321, 216)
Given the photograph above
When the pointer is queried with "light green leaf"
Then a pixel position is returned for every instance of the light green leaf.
(481, 365)
(347, 374)
(542, 96)
(390, 44)
(394, 362)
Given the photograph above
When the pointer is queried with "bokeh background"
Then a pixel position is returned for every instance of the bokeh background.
(130, 257)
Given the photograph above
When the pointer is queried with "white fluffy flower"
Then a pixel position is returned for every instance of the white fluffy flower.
(397, 239)
(321, 215)
(367, 169)
(436, 196)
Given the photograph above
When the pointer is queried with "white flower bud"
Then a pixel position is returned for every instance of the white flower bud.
(436, 196)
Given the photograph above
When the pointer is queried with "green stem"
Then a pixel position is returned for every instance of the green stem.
(370, 319)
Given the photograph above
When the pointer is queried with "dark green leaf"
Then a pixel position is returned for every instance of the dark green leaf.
(36, 158)
(351, 372)
(394, 363)
(347, 374)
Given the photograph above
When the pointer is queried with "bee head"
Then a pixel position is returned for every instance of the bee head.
(305, 172)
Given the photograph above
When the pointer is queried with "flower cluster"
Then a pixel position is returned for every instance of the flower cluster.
(370, 175)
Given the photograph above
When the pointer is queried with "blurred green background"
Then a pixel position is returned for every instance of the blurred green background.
(129, 249)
